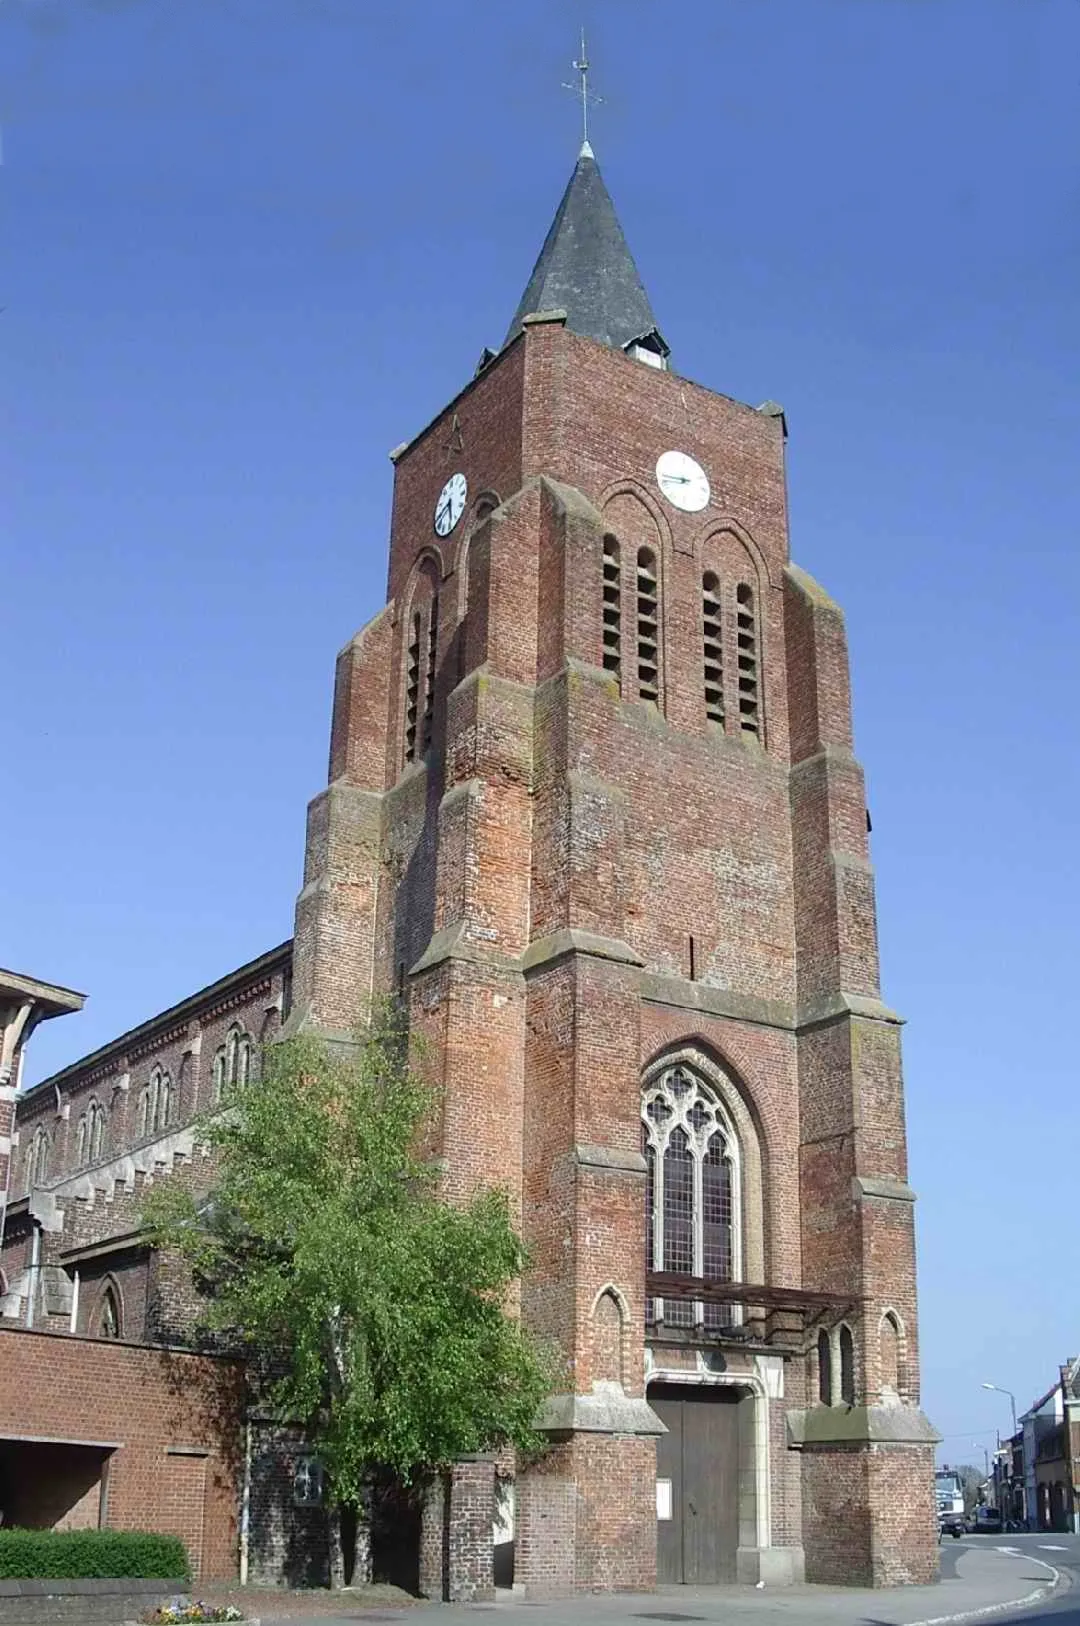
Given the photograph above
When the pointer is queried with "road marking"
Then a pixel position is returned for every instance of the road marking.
(999, 1608)
(1051, 1547)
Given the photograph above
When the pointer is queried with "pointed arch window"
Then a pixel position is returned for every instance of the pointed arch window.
(824, 1368)
(712, 648)
(648, 626)
(37, 1157)
(95, 1131)
(612, 607)
(847, 1367)
(156, 1101)
(233, 1062)
(747, 638)
(80, 1143)
(692, 1192)
(109, 1323)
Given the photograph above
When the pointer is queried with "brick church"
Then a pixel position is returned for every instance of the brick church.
(593, 811)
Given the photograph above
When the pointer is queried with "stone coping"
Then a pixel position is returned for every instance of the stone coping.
(93, 1586)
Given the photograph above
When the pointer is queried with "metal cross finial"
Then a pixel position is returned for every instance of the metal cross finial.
(582, 67)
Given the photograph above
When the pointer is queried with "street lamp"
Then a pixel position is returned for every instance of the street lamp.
(1012, 1399)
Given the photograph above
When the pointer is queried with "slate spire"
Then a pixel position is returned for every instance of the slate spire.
(586, 269)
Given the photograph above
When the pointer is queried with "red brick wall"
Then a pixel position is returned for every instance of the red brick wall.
(173, 1418)
(554, 800)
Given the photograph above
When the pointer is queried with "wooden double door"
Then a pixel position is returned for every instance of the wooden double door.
(697, 1489)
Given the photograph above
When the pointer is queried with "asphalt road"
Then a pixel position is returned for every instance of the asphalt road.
(1061, 1552)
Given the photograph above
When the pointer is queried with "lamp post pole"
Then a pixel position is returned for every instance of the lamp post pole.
(1012, 1402)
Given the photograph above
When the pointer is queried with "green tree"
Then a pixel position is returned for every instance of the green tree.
(374, 1306)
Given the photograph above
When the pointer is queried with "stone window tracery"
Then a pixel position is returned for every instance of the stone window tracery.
(233, 1061)
(692, 1193)
(91, 1134)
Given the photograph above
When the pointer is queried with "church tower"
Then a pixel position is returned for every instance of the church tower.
(593, 809)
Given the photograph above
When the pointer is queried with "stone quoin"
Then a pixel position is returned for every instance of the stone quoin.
(593, 812)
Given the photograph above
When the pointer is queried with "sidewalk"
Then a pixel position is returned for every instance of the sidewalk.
(974, 1581)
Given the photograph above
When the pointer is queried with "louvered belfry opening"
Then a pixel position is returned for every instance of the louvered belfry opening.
(648, 618)
(612, 607)
(412, 689)
(429, 674)
(712, 649)
(746, 621)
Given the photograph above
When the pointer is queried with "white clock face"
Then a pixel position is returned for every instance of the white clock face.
(683, 482)
(451, 504)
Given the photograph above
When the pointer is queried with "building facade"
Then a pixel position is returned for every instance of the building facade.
(593, 812)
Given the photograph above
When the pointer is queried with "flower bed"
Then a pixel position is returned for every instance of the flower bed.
(179, 1612)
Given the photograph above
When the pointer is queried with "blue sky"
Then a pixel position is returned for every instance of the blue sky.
(253, 244)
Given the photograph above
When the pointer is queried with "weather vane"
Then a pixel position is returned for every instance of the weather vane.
(582, 68)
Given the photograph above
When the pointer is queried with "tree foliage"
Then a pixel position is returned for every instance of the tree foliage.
(376, 1306)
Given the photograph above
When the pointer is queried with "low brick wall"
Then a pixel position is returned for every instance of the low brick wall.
(162, 1427)
(40, 1603)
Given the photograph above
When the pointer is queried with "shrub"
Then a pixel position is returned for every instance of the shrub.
(75, 1555)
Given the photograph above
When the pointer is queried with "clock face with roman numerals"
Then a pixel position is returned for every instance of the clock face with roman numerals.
(450, 504)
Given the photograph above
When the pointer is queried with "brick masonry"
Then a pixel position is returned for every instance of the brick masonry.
(574, 883)
(160, 1429)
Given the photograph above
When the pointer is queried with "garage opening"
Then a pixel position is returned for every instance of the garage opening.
(52, 1485)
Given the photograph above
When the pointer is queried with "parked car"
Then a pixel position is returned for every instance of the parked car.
(987, 1521)
(951, 1524)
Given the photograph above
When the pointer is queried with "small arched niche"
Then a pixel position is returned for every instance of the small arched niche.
(608, 1337)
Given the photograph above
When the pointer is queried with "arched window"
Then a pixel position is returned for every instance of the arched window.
(746, 621)
(847, 1367)
(824, 1368)
(81, 1142)
(889, 1356)
(233, 1061)
(692, 1192)
(712, 648)
(164, 1100)
(217, 1075)
(243, 1059)
(95, 1133)
(109, 1325)
(612, 607)
(153, 1092)
(37, 1157)
(648, 620)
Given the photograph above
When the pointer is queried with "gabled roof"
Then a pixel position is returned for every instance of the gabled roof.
(586, 269)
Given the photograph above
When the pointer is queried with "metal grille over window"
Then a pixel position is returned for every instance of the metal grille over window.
(412, 690)
(612, 607)
(648, 627)
(749, 717)
(429, 674)
(712, 649)
(691, 1193)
